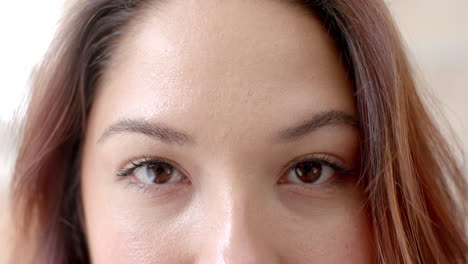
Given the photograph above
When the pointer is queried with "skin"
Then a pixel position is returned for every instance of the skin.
(230, 75)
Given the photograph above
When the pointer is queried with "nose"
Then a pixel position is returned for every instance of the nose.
(238, 231)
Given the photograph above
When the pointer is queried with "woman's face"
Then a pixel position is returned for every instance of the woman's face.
(224, 132)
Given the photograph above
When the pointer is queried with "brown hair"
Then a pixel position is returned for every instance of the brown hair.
(414, 188)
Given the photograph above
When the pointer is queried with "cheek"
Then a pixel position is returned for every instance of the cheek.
(330, 229)
(340, 240)
(123, 236)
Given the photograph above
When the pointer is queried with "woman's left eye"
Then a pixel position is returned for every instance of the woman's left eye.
(310, 172)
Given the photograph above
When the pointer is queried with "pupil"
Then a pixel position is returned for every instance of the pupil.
(309, 171)
(160, 169)
(162, 173)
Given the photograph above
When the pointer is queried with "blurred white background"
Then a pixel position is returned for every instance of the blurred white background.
(26, 27)
(436, 33)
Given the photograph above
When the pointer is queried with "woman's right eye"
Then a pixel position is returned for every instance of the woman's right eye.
(153, 172)
(158, 173)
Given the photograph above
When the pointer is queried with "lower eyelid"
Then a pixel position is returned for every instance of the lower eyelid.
(154, 190)
(332, 179)
(309, 190)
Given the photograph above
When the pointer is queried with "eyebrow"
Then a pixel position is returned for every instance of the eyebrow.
(319, 120)
(173, 136)
(154, 130)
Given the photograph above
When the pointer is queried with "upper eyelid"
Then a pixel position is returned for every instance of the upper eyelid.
(135, 164)
(145, 160)
(319, 157)
(314, 156)
(153, 159)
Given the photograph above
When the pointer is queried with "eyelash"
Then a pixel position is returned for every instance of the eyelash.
(125, 172)
(324, 159)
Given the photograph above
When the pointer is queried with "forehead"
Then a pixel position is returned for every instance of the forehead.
(225, 61)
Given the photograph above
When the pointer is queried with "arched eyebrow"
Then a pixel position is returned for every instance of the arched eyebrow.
(173, 136)
(319, 120)
(154, 130)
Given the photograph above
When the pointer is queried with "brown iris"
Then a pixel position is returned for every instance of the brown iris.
(308, 172)
(162, 172)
